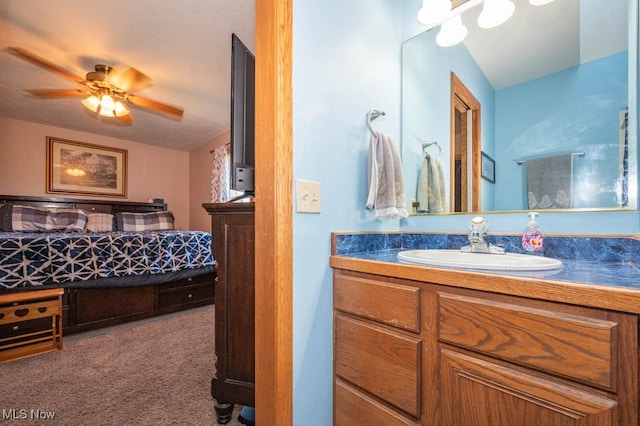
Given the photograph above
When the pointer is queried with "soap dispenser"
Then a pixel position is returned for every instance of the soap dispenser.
(532, 239)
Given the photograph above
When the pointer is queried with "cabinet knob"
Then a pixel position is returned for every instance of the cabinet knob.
(190, 296)
(15, 328)
(190, 279)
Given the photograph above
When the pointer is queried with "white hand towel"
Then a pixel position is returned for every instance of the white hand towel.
(430, 195)
(386, 182)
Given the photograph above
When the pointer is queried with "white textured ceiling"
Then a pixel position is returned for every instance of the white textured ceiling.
(541, 40)
(183, 45)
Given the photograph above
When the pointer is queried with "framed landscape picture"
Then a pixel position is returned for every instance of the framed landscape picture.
(85, 169)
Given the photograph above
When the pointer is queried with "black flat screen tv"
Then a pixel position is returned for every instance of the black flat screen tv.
(242, 119)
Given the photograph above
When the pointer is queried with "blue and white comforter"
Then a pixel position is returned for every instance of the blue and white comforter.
(56, 259)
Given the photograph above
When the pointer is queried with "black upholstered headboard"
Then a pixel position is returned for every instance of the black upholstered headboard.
(98, 206)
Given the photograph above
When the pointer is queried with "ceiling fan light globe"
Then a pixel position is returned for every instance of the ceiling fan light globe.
(107, 103)
(91, 103)
(495, 12)
(120, 110)
(106, 112)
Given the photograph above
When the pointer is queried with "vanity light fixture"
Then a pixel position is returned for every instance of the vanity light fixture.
(435, 13)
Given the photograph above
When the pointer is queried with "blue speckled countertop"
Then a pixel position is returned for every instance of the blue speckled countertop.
(606, 261)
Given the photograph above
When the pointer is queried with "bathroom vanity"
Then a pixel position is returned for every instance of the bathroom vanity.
(424, 345)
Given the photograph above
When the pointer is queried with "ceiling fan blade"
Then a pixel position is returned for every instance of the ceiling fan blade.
(56, 93)
(129, 80)
(125, 119)
(41, 62)
(154, 105)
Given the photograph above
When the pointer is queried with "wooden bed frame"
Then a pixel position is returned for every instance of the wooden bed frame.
(91, 308)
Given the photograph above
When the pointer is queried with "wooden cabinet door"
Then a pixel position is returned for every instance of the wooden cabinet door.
(479, 392)
(233, 246)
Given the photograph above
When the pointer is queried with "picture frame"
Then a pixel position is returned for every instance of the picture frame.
(85, 169)
(488, 168)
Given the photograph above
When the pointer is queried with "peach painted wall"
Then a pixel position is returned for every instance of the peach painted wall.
(153, 172)
(200, 160)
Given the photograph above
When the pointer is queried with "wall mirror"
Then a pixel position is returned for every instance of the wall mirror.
(556, 87)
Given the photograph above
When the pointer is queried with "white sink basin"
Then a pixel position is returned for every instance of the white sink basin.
(483, 261)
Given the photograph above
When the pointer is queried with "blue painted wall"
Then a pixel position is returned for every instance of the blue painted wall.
(346, 60)
(575, 110)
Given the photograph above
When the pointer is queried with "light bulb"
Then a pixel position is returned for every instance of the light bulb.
(91, 103)
(106, 102)
(495, 12)
(433, 12)
(451, 32)
(120, 110)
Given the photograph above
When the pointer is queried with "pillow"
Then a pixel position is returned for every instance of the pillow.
(68, 219)
(153, 221)
(40, 219)
(100, 222)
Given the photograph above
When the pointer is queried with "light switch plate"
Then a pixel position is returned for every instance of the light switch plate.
(307, 196)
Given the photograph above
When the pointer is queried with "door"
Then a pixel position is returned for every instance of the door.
(497, 395)
(465, 148)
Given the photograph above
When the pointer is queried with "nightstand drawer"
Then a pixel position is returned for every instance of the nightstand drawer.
(12, 330)
(30, 323)
(19, 312)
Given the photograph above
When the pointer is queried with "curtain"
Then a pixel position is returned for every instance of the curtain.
(220, 175)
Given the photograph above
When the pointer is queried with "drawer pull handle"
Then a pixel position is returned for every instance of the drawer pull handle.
(21, 312)
(42, 309)
(15, 328)
(1, 315)
(190, 295)
(189, 279)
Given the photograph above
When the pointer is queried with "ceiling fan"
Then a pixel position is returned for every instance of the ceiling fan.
(106, 91)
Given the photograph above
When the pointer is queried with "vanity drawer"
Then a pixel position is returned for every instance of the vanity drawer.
(353, 407)
(383, 362)
(393, 304)
(558, 342)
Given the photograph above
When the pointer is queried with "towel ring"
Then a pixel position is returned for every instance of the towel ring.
(427, 144)
(372, 115)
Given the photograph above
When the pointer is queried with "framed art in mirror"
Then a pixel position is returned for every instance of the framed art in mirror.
(81, 168)
(488, 168)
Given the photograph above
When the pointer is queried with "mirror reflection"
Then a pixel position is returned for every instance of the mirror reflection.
(534, 114)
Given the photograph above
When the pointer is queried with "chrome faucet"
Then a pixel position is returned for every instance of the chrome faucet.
(477, 231)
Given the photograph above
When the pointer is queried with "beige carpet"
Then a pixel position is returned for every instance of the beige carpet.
(150, 372)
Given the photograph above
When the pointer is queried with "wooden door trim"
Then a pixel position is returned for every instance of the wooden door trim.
(273, 220)
(459, 90)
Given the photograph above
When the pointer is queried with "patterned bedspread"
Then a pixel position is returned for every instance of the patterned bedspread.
(41, 259)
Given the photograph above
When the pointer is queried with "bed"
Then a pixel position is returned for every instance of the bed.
(117, 261)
